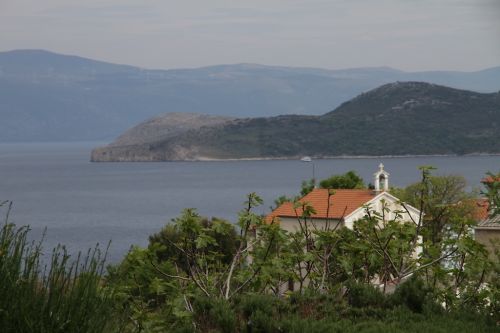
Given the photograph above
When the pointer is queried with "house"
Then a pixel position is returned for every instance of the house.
(487, 230)
(342, 207)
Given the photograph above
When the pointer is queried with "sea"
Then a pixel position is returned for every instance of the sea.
(68, 200)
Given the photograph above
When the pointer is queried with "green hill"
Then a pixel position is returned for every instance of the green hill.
(403, 118)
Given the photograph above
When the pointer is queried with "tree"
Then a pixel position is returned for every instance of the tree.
(452, 262)
(349, 180)
(307, 186)
(388, 245)
(163, 243)
(441, 199)
(206, 261)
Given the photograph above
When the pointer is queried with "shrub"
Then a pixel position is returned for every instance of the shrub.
(261, 313)
(365, 295)
(413, 294)
(214, 315)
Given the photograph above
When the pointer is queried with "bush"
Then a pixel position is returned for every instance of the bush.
(317, 306)
(412, 294)
(261, 313)
(214, 315)
(365, 295)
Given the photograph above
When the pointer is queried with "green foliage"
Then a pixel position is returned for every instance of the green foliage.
(307, 186)
(66, 295)
(324, 313)
(442, 199)
(386, 274)
(260, 313)
(455, 264)
(279, 201)
(414, 294)
(161, 285)
(143, 294)
(493, 288)
(387, 244)
(364, 295)
(349, 180)
(214, 235)
(214, 315)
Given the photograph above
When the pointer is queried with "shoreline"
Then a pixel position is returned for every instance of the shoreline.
(297, 158)
(338, 157)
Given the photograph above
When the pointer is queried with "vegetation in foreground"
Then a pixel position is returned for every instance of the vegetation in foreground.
(62, 295)
(208, 275)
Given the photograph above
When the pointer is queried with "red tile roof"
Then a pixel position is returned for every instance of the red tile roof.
(342, 203)
(481, 211)
(490, 179)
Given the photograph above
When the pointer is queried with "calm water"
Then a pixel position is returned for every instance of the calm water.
(54, 186)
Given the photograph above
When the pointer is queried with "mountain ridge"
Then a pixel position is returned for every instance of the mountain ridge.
(52, 97)
(17, 53)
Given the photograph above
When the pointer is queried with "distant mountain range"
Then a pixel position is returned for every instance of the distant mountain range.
(51, 97)
(404, 118)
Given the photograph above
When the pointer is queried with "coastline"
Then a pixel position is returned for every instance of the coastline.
(339, 157)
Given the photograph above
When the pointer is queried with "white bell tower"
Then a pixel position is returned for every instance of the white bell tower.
(381, 179)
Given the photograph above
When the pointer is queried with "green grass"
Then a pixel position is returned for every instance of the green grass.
(64, 295)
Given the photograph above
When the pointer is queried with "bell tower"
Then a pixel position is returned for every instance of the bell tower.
(381, 179)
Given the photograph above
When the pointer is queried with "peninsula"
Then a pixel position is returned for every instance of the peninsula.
(401, 118)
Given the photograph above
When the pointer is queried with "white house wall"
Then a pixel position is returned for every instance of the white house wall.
(377, 204)
(291, 224)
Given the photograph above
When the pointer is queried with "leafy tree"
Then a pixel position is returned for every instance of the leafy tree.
(452, 262)
(144, 296)
(281, 200)
(307, 186)
(204, 259)
(349, 180)
(441, 199)
(224, 243)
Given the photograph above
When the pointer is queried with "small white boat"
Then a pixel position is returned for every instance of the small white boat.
(306, 159)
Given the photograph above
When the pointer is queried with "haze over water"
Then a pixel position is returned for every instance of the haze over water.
(54, 186)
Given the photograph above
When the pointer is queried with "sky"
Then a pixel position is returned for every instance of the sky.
(412, 35)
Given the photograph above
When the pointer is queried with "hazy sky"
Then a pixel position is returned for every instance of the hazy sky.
(405, 34)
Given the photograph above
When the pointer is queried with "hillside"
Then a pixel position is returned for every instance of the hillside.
(167, 126)
(395, 119)
(137, 140)
(52, 97)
